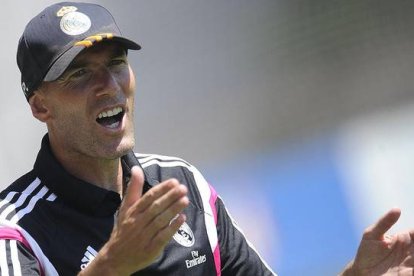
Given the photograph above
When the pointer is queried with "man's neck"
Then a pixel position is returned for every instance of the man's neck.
(104, 173)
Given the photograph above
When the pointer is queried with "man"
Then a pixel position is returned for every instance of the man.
(65, 216)
(90, 205)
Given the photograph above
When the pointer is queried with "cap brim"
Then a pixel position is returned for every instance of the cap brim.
(61, 63)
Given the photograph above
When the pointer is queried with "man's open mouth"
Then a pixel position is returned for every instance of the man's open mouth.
(111, 118)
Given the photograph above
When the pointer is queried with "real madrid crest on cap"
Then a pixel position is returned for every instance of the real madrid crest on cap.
(73, 22)
(184, 236)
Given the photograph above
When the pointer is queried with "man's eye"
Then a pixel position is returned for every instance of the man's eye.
(118, 62)
(72, 75)
(78, 73)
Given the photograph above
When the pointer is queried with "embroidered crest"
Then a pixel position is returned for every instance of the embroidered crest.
(73, 22)
(184, 236)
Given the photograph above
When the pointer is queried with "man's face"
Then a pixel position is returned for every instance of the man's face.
(91, 105)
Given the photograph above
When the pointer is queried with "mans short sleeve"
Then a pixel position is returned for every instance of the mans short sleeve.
(17, 259)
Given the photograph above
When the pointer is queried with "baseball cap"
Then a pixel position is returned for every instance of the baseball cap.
(53, 38)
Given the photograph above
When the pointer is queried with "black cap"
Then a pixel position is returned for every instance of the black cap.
(53, 38)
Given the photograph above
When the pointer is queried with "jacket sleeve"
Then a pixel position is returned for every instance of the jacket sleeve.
(17, 259)
(237, 254)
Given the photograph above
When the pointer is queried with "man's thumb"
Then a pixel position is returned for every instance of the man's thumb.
(135, 186)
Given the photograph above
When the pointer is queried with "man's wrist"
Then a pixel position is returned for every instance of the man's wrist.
(102, 265)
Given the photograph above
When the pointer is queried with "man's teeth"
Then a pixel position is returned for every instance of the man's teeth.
(110, 113)
(114, 125)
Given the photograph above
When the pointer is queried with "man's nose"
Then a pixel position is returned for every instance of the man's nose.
(106, 83)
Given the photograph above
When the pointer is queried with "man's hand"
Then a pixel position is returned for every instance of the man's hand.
(144, 226)
(382, 254)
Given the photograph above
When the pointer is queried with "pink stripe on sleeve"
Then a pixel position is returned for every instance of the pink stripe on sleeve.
(213, 198)
(14, 234)
(216, 253)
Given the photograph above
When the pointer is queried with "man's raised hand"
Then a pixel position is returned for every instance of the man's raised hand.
(383, 254)
(144, 226)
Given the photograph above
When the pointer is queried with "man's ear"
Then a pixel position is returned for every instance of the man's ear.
(39, 109)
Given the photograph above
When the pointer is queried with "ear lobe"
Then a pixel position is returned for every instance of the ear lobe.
(38, 107)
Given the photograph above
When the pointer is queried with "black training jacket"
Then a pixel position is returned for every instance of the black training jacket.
(52, 223)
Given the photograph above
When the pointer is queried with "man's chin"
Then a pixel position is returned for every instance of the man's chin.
(118, 150)
(124, 148)
(115, 148)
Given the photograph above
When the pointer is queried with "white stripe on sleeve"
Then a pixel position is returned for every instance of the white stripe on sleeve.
(21, 199)
(30, 206)
(4, 269)
(15, 258)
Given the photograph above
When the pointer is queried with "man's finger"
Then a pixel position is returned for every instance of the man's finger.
(164, 218)
(164, 235)
(164, 202)
(155, 193)
(377, 231)
(135, 186)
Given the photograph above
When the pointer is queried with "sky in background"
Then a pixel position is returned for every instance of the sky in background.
(298, 112)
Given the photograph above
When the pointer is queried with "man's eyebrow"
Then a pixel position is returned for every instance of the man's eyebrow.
(79, 63)
(118, 51)
(76, 65)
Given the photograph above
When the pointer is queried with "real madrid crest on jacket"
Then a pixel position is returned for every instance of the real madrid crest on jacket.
(54, 224)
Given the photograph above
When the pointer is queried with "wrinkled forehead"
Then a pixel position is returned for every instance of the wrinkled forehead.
(103, 49)
(100, 52)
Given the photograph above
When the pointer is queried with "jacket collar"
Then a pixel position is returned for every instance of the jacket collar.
(77, 193)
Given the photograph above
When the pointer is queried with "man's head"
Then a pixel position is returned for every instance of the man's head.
(76, 77)
(53, 38)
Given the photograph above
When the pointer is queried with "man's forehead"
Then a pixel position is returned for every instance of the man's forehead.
(104, 49)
